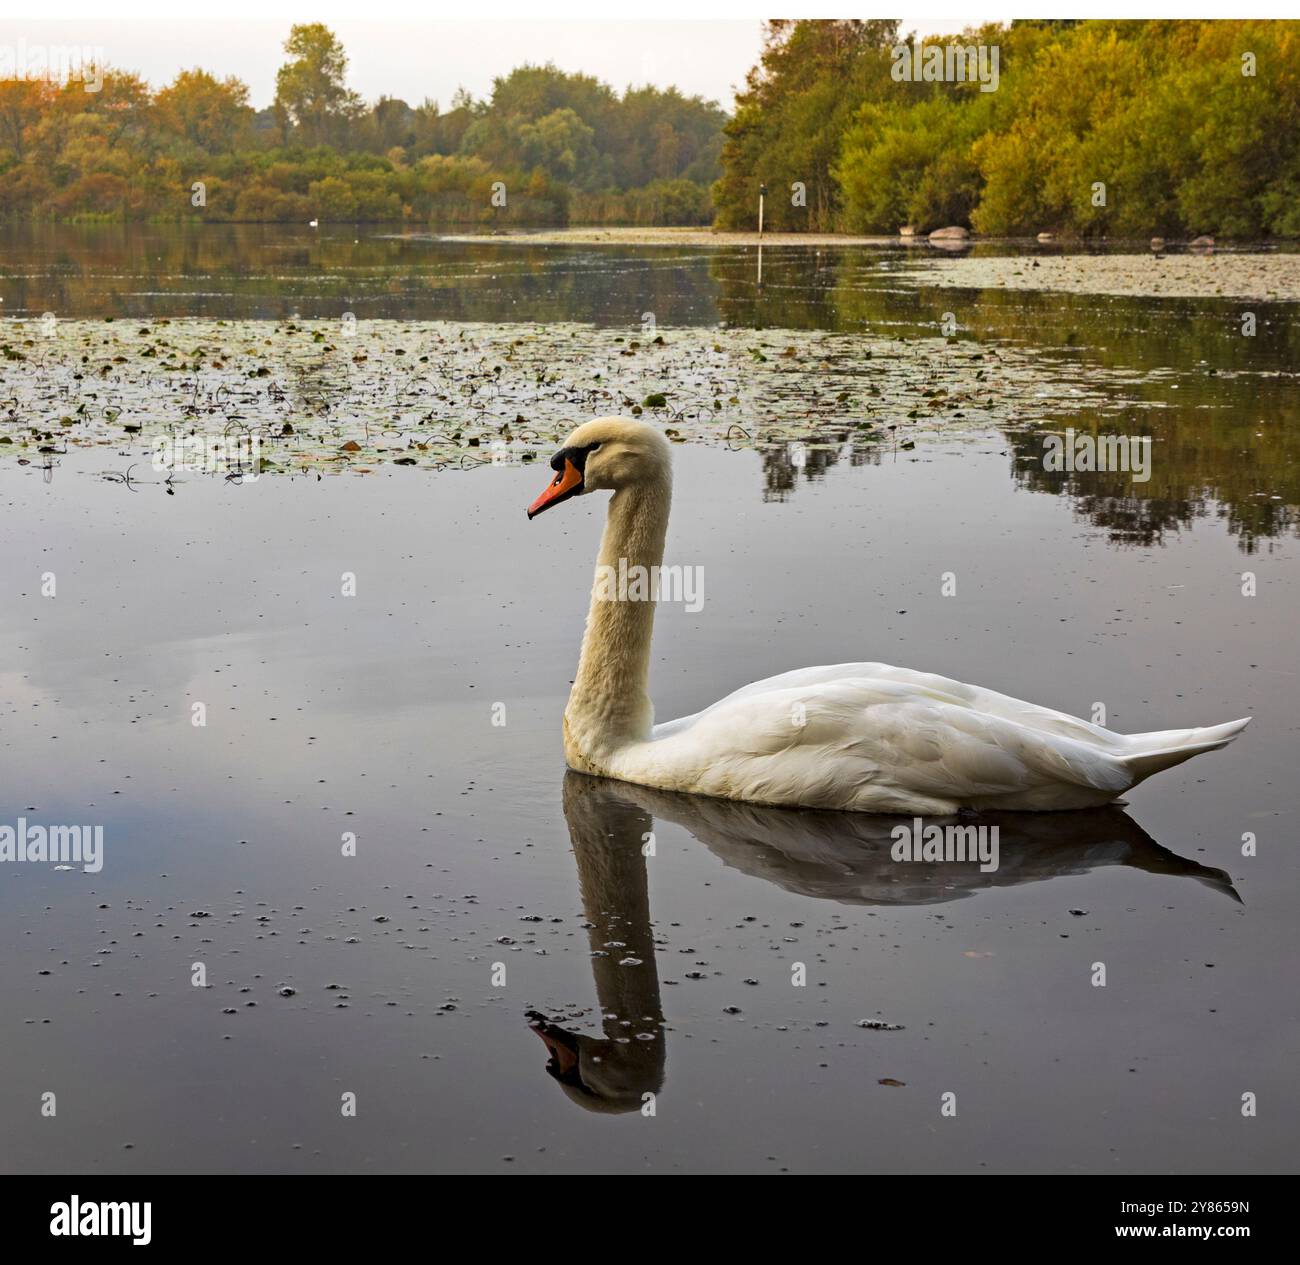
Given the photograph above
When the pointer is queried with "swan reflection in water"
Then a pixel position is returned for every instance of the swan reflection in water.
(836, 856)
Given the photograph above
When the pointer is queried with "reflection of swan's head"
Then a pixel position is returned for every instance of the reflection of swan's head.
(609, 452)
(606, 1076)
(613, 1072)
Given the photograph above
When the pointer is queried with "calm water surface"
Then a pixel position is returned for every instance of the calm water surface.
(495, 900)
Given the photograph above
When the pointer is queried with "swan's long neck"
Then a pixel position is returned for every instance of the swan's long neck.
(609, 705)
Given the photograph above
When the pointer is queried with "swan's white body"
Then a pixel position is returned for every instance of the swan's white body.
(859, 736)
(881, 739)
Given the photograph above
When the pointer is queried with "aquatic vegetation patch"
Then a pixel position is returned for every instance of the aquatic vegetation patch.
(1211, 274)
(335, 396)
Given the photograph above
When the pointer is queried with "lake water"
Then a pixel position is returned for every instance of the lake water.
(493, 899)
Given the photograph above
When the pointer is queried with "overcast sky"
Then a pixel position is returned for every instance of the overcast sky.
(428, 59)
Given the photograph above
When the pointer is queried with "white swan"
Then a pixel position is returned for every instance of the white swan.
(859, 736)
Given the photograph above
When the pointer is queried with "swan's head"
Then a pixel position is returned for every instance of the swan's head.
(610, 452)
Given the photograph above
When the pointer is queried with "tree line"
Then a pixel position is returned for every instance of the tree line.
(1095, 128)
(1086, 128)
(545, 147)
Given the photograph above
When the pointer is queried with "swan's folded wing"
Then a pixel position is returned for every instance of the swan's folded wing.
(920, 685)
(816, 738)
(940, 745)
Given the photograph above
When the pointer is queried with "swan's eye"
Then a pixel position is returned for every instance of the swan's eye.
(592, 447)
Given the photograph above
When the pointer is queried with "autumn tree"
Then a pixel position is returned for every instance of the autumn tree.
(212, 114)
(22, 102)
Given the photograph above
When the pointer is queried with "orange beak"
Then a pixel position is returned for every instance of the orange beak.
(563, 1054)
(564, 485)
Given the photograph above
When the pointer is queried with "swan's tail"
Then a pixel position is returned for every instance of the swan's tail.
(1162, 749)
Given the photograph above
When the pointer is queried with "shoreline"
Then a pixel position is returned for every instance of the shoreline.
(596, 235)
(668, 235)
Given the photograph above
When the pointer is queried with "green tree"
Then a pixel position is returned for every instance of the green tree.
(312, 100)
(798, 102)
